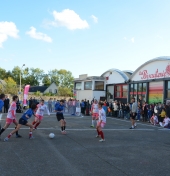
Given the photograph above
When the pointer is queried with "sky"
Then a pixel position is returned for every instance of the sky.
(84, 37)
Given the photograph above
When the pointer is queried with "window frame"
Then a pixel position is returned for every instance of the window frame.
(85, 84)
(75, 85)
(95, 86)
(121, 91)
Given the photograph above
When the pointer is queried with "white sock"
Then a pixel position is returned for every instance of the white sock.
(132, 126)
(93, 122)
(135, 124)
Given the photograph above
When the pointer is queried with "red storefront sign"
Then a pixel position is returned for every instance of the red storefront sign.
(157, 74)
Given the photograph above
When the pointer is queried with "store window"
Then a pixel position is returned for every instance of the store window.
(109, 92)
(78, 86)
(168, 89)
(138, 91)
(88, 85)
(121, 91)
(99, 85)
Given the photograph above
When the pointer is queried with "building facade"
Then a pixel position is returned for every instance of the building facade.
(150, 82)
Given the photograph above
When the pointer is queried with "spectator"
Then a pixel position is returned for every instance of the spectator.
(154, 119)
(165, 123)
(82, 105)
(30, 102)
(168, 110)
(138, 113)
(162, 115)
(6, 104)
(50, 105)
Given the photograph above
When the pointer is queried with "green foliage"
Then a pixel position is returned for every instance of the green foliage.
(64, 91)
(46, 81)
(38, 93)
(11, 86)
(2, 73)
(48, 94)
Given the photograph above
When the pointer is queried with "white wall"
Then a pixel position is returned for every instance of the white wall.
(114, 78)
(84, 94)
(89, 94)
(154, 70)
(98, 94)
(52, 87)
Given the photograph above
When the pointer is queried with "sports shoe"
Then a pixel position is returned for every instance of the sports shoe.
(101, 140)
(97, 136)
(137, 120)
(18, 136)
(63, 132)
(82, 116)
(6, 139)
(92, 126)
(32, 137)
(131, 128)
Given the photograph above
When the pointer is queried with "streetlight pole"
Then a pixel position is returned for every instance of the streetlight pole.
(20, 80)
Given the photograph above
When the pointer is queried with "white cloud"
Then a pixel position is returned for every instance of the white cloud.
(38, 35)
(125, 38)
(69, 19)
(133, 40)
(95, 19)
(7, 29)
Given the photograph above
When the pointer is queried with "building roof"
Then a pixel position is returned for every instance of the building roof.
(90, 78)
(119, 72)
(38, 88)
(161, 58)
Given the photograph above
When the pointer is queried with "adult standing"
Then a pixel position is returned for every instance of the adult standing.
(6, 104)
(168, 110)
(50, 105)
(133, 113)
(30, 102)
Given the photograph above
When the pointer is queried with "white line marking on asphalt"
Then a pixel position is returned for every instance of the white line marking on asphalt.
(130, 122)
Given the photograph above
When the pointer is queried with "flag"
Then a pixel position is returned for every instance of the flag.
(26, 90)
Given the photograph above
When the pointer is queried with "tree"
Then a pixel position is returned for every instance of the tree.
(16, 74)
(11, 86)
(2, 73)
(46, 80)
(62, 78)
(64, 91)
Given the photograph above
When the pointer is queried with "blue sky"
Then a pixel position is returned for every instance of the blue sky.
(89, 36)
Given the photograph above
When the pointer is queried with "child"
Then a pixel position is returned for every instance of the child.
(24, 121)
(11, 116)
(165, 123)
(154, 119)
(40, 113)
(101, 122)
(162, 115)
(149, 114)
(138, 113)
(95, 112)
(60, 117)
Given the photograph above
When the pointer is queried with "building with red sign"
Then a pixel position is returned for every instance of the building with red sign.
(150, 82)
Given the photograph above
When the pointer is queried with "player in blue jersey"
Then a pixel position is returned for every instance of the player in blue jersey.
(59, 113)
(2, 98)
(24, 121)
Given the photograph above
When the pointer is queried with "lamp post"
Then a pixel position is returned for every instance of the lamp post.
(20, 80)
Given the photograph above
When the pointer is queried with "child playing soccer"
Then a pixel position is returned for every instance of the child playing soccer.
(11, 116)
(95, 112)
(40, 113)
(59, 109)
(101, 122)
(24, 121)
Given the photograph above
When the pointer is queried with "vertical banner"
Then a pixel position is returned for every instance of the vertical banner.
(26, 90)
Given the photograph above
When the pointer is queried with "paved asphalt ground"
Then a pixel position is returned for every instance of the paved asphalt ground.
(144, 151)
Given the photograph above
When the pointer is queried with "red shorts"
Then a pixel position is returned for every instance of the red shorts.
(96, 115)
(9, 121)
(39, 117)
(101, 124)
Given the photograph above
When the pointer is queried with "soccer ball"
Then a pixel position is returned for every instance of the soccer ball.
(51, 135)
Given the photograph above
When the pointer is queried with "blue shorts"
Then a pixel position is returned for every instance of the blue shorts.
(23, 121)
